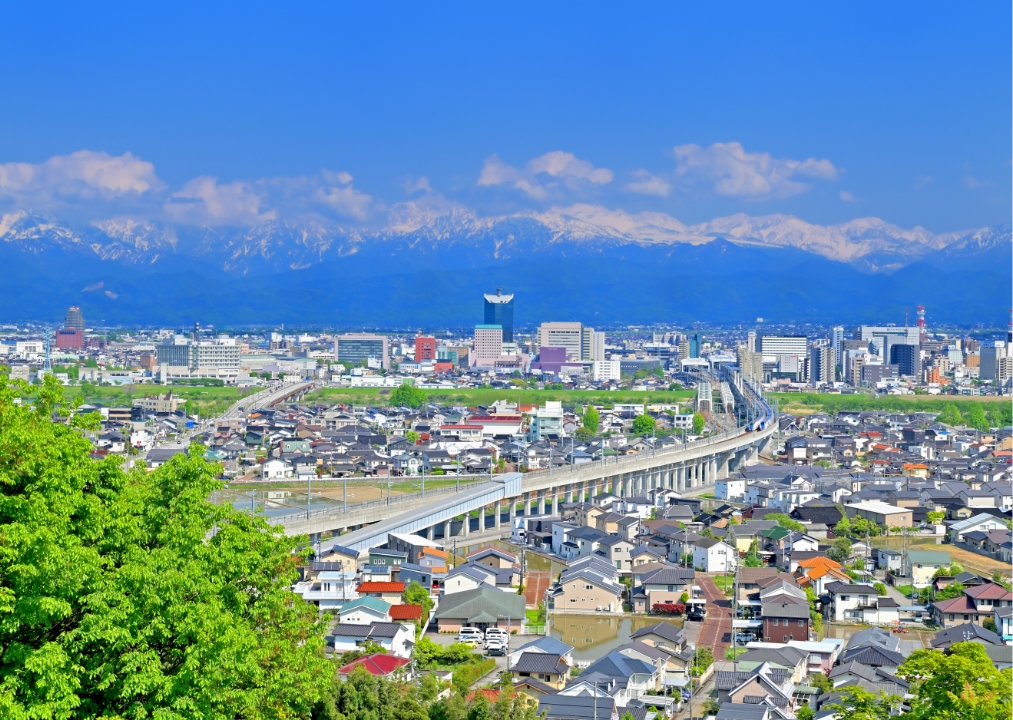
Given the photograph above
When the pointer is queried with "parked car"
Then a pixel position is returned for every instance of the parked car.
(494, 632)
(743, 638)
(696, 613)
(470, 633)
(470, 642)
(495, 647)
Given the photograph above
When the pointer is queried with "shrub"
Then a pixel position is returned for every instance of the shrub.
(669, 608)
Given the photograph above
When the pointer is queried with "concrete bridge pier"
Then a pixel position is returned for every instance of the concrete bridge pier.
(446, 529)
(498, 509)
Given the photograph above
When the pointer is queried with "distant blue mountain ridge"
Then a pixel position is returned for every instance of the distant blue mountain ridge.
(429, 269)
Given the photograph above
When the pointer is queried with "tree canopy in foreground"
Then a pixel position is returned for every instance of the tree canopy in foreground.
(127, 593)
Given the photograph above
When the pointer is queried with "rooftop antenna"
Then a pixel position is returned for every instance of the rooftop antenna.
(921, 323)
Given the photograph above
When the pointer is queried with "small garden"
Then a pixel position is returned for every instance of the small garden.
(466, 665)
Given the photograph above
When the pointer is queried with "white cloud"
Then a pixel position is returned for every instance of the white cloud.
(647, 184)
(203, 201)
(416, 186)
(731, 171)
(81, 175)
(973, 183)
(562, 168)
(847, 196)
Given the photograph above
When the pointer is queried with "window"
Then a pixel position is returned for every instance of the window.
(951, 616)
(785, 638)
(844, 598)
(801, 623)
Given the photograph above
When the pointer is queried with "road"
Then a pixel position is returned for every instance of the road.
(258, 400)
(716, 632)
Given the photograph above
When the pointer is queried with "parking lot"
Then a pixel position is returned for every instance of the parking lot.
(514, 642)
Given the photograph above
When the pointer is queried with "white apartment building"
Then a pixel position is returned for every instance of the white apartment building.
(605, 370)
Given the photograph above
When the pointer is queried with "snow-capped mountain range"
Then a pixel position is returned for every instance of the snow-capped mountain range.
(431, 231)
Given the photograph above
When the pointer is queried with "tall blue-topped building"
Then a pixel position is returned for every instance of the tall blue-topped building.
(499, 310)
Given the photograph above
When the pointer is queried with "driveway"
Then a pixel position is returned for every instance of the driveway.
(716, 630)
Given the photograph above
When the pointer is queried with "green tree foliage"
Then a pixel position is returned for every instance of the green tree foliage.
(961, 684)
(643, 425)
(702, 659)
(936, 517)
(880, 588)
(843, 527)
(591, 419)
(857, 703)
(786, 522)
(415, 594)
(953, 590)
(975, 417)
(406, 395)
(753, 556)
(412, 436)
(840, 550)
(821, 682)
(128, 593)
(950, 415)
(805, 713)
(699, 423)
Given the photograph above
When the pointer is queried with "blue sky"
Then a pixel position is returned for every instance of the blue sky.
(899, 111)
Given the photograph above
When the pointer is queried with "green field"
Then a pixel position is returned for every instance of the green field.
(831, 403)
(207, 401)
(486, 396)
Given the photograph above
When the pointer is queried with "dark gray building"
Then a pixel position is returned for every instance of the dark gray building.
(907, 358)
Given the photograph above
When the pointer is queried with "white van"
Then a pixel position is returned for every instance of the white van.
(469, 633)
(494, 632)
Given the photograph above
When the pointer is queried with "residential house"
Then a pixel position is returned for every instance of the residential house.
(921, 565)
(784, 621)
(974, 606)
(982, 521)
(759, 685)
(875, 647)
(616, 550)
(1003, 617)
(364, 611)
(714, 556)
(544, 644)
(661, 586)
(547, 668)
(397, 639)
(861, 604)
(389, 591)
(586, 590)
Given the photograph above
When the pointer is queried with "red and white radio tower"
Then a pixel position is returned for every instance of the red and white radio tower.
(921, 323)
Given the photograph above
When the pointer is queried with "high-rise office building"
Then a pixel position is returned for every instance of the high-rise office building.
(74, 320)
(488, 345)
(69, 339)
(354, 349)
(694, 345)
(784, 345)
(425, 349)
(991, 353)
(822, 365)
(907, 358)
(499, 310)
(837, 342)
(751, 341)
(882, 337)
(582, 343)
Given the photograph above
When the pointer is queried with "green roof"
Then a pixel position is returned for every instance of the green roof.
(368, 602)
(928, 557)
(775, 533)
(482, 604)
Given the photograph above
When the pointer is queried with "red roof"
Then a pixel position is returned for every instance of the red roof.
(405, 612)
(376, 664)
(381, 587)
(988, 591)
